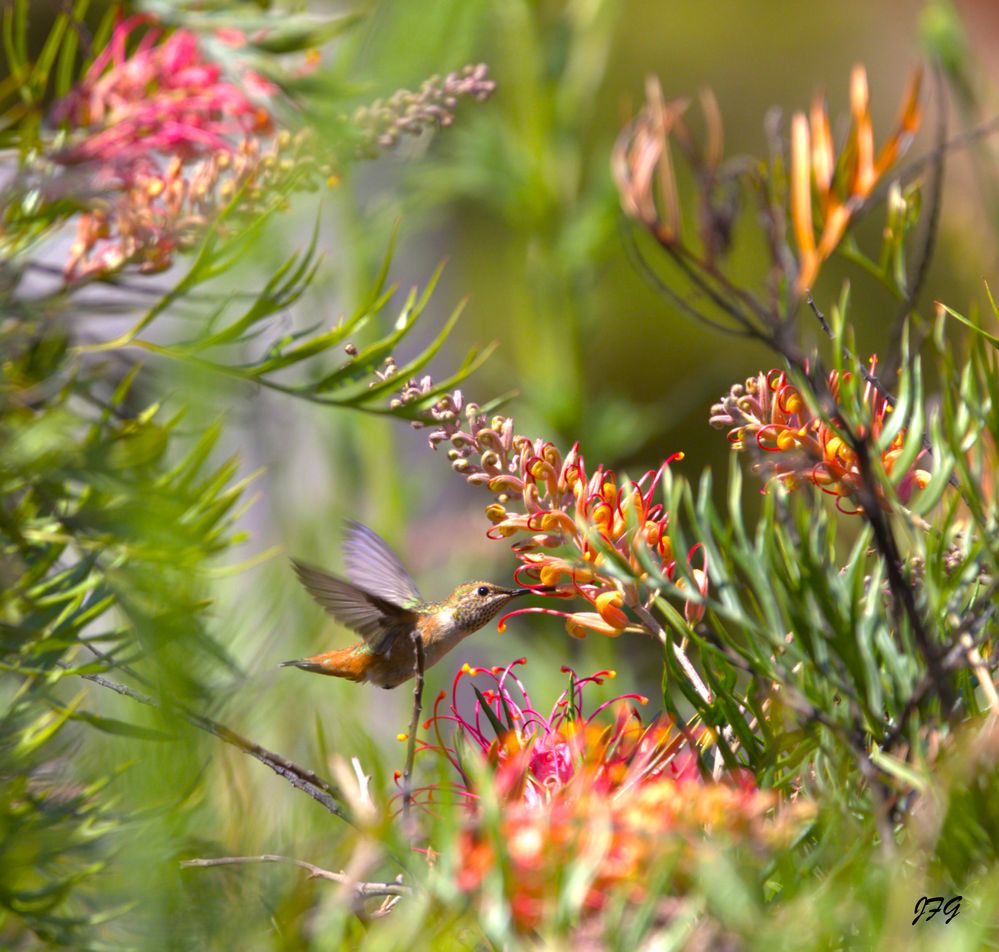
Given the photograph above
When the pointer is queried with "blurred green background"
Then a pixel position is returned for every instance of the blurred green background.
(517, 197)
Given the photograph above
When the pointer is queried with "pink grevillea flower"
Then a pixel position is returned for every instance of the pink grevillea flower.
(599, 788)
(799, 446)
(581, 534)
(158, 140)
(163, 96)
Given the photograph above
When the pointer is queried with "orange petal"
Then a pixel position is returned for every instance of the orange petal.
(863, 178)
(908, 124)
(801, 201)
(609, 606)
(580, 623)
(823, 157)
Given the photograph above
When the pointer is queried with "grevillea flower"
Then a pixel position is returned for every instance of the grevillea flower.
(157, 141)
(382, 123)
(826, 188)
(840, 184)
(163, 96)
(588, 535)
(799, 446)
(600, 789)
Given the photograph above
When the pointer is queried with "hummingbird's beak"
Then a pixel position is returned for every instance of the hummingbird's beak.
(535, 590)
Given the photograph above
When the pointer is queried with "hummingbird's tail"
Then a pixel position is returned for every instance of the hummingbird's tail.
(344, 663)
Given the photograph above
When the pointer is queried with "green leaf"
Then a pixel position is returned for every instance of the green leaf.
(991, 338)
(496, 723)
(110, 725)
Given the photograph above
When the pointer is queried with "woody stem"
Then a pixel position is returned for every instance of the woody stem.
(414, 726)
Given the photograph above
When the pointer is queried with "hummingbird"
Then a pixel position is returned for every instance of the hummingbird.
(382, 604)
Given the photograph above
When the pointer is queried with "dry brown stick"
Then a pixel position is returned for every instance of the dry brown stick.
(322, 791)
(360, 889)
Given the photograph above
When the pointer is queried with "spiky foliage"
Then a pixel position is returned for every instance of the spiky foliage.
(843, 659)
(116, 501)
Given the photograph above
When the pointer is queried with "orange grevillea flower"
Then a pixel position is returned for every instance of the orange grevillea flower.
(598, 788)
(799, 446)
(839, 184)
(576, 533)
(827, 187)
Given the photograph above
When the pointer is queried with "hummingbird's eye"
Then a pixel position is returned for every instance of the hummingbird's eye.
(483, 591)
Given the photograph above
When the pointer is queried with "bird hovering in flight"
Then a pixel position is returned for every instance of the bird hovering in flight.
(382, 604)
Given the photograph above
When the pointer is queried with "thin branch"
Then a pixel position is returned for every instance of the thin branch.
(657, 631)
(419, 662)
(971, 627)
(322, 791)
(677, 300)
(360, 889)
(907, 173)
(925, 251)
(884, 542)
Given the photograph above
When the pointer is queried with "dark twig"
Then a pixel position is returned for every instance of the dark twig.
(419, 662)
(677, 300)
(907, 173)
(971, 628)
(360, 890)
(322, 791)
(904, 595)
(924, 253)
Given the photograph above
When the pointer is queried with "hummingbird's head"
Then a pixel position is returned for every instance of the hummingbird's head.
(476, 603)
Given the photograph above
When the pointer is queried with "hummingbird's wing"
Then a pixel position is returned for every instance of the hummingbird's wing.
(377, 620)
(373, 566)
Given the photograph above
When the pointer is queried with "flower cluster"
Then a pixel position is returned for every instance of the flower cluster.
(644, 172)
(162, 97)
(586, 535)
(382, 123)
(770, 413)
(826, 188)
(160, 141)
(157, 141)
(839, 184)
(572, 788)
(163, 210)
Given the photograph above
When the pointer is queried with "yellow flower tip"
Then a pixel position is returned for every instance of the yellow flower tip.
(333, 181)
(609, 606)
(612, 674)
(501, 627)
(785, 440)
(495, 513)
(680, 455)
(466, 669)
(794, 403)
(643, 700)
(402, 737)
